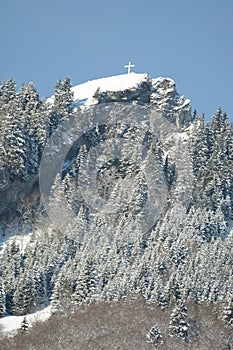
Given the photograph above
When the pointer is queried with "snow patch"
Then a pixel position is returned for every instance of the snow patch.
(13, 233)
(157, 81)
(10, 324)
(186, 103)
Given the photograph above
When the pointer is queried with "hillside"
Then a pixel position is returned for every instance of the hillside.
(114, 190)
(124, 325)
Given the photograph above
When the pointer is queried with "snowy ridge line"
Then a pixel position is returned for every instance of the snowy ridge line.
(85, 91)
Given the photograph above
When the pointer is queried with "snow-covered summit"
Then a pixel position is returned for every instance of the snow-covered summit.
(84, 93)
(138, 88)
(121, 82)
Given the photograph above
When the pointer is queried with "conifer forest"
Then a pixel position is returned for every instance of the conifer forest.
(134, 248)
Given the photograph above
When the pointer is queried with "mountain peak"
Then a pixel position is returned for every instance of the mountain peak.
(139, 88)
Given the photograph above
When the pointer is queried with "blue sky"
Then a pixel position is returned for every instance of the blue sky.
(190, 41)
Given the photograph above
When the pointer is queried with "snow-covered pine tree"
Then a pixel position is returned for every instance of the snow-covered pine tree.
(228, 311)
(154, 336)
(179, 324)
(15, 142)
(24, 325)
(61, 299)
(7, 94)
(2, 299)
(169, 171)
(199, 149)
(63, 99)
(24, 295)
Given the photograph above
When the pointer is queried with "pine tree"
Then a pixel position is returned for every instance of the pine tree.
(163, 295)
(2, 300)
(86, 282)
(24, 295)
(63, 290)
(169, 171)
(34, 115)
(179, 322)
(24, 326)
(199, 147)
(7, 94)
(62, 106)
(183, 191)
(228, 311)
(155, 337)
(14, 142)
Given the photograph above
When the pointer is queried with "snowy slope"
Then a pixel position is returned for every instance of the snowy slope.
(10, 324)
(83, 93)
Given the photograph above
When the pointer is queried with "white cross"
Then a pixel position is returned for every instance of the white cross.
(129, 66)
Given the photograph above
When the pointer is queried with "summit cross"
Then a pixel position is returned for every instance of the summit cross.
(129, 66)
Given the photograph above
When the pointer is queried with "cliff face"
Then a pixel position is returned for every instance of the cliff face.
(139, 93)
(165, 98)
(159, 93)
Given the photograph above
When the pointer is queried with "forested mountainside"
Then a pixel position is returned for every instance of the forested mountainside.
(158, 224)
